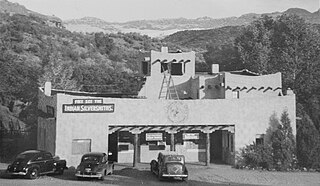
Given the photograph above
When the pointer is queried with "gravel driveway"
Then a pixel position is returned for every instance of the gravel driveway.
(198, 175)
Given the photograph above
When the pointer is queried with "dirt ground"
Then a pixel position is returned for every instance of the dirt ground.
(198, 175)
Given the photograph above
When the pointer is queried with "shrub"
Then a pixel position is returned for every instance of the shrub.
(278, 151)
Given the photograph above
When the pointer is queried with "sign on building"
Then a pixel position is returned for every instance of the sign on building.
(190, 136)
(154, 137)
(87, 106)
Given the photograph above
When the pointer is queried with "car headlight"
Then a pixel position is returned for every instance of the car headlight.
(9, 166)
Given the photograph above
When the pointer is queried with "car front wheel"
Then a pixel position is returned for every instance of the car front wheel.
(33, 174)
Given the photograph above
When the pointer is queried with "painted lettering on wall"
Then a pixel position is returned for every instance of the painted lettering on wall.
(86, 108)
(87, 101)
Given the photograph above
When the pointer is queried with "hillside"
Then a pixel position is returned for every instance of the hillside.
(15, 8)
(165, 27)
(199, 39)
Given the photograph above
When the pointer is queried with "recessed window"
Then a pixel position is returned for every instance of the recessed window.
(259, 139)
(81, 146)
(164, 67)
(146, 68)
(50, 111)
(176, 69)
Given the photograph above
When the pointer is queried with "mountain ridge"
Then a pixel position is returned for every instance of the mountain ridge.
(163, 27)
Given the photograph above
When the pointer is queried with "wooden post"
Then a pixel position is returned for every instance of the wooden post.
(135, 149)
(207, 149)
(172, 146)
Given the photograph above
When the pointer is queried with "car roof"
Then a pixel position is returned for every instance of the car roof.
(95, 154)
(33, 152)
(170, 153)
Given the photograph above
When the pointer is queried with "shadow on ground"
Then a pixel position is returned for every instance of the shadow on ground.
(125, 175)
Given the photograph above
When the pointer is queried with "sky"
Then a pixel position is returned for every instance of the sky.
(129, 10)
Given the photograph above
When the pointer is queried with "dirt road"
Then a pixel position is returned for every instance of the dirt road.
(198, 175)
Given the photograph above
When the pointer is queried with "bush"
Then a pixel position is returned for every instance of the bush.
(256, 156)
(278, 152)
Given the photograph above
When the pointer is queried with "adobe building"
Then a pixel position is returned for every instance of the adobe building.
(206, 117)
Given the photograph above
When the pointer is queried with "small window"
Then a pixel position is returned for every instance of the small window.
(81, 146)
(50, 111)
(146, 68)
(259, 139)
(176, 69)
(235, 94)
(164, 67)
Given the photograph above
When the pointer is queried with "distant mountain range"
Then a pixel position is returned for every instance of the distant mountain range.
(15, 8)
(164, 27)
(155, 28)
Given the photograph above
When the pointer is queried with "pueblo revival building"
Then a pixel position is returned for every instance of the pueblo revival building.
(206, 117)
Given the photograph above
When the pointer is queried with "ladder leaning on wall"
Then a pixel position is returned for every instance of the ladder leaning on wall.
(168, 90)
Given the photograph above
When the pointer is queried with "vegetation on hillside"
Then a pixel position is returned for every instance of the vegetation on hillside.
(33, 52)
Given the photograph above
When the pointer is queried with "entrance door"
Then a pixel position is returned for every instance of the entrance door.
(113, 147)
(216, 147)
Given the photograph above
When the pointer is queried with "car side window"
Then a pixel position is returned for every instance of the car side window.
(39, 157)
(47, 156)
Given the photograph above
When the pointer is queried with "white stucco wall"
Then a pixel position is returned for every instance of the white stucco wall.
(250, 117)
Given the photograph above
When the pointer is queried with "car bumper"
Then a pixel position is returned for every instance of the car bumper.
(88, 175)
(16, 173)
(175, 175)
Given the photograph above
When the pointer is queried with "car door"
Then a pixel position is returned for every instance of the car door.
(49, 162)
(39, 160)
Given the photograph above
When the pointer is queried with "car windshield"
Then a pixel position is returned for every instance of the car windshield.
(91, 158)
(24, 157)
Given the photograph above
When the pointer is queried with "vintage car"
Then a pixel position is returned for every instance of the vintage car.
(94, 165)
(33, 163)
(169, 165)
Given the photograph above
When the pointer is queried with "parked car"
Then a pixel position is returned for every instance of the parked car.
(169, 165)
(94, 165)
(33, 163)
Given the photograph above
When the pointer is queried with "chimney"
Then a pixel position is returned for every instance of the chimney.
(164, 49)
(47, 88)
(214, 68)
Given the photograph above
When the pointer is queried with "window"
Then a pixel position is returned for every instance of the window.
(164, 67)
(235, 94)
(50, 111)
(47, 156)
(176, 69)
(146, 68)
(81, 146)
(259, 139)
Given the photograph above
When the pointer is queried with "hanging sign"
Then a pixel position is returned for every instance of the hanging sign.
(190, 136)
(153, 136)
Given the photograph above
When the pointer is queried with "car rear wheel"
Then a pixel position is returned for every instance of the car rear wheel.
(33, 174)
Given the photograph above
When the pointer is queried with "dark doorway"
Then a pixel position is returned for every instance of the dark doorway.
(113, 147)
(216, 147)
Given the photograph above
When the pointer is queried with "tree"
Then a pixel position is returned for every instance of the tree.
(59, 73)
(296, 49)
(283, 144)
(254, 45)
(308, 141)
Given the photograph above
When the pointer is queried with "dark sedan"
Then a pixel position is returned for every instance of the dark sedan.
(94, 165)
(169, 165)
(33, 163)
